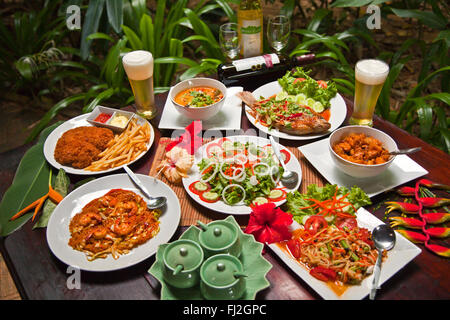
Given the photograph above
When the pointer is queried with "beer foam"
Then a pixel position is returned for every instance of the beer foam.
(371, 71)
(138, 64)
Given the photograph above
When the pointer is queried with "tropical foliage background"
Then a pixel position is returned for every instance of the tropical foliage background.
(61, 70)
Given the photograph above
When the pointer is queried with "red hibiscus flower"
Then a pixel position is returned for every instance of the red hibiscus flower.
(269, 224)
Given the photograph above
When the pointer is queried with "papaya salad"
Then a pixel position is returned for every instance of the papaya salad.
(239, 174)
(331, 244)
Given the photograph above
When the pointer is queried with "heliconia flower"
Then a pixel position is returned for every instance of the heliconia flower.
(436, 217)
(438, 232)
(439, 250)
(413, 236)
(431, 202)
(269, 224)
(406, 222)
(431, 184)
(406, 191)
(403, 207)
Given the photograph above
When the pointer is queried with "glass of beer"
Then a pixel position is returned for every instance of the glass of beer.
(370, 75)
(139, 68)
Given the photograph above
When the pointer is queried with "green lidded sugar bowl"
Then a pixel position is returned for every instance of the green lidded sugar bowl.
(219, 237)
(182, 261)
(222, 278)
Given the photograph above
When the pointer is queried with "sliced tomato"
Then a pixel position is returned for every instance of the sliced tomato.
(365, 236)
(347, 223)
(294, 247)
(287, 155)
(281, 197)
(205, 197)
(324, 274)
(299, 80)
(315, 224)
(322, 84)
(193, 189)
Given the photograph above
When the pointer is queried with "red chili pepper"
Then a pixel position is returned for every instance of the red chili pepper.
(413, 236)
(436, 217)
(407, 222)
(430, 202)
(402, 206)
(295, 115)
(406, 191)
(438, 232)
(439, 250)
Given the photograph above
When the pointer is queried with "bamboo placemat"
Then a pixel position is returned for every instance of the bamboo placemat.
(191, 211)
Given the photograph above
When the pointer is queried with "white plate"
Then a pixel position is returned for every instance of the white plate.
(402, 170)
(228, 118)
(403, 252)
(220, 206)
(58, 234)
(81, 121)
(338, 112)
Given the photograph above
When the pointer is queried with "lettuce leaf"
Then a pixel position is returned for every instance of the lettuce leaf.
(308, 87)
(296, 200)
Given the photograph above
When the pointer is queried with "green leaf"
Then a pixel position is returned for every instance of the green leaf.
(29, 184)
(114, 9)
(135, 42)
(428, 18)
(147, 33)
(61, 185)
(90, 25)
(319, 14)
(350, 3)
(181, 60)
(99, 98)
(45, 120)
(425, 116)
(100, 35)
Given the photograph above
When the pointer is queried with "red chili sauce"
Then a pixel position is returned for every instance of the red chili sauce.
(103, 117)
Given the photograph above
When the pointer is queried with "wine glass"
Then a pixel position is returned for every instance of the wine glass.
(278, 31)
(228, 38)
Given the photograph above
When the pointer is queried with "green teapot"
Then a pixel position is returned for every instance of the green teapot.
(222, 278)
(219, 237)
(182, 261)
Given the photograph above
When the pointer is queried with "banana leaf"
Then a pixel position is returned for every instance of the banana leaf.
(61, 185)
(30, 183)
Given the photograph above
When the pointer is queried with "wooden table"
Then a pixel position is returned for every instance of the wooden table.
(38, 274)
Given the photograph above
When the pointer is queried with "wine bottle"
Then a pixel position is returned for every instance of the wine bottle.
(262, 68)
(250, 28)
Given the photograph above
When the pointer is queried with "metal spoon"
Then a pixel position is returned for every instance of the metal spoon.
(153, 202)
(384, 239)
(289, 178)
(405, 151)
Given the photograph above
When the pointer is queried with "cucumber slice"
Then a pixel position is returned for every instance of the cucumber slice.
(310, 102)
(300, 98)
(259, 200)
(209, 195)
(227, 145)
(281, 96)
(200, 186)
(274, 194)
(317, 107)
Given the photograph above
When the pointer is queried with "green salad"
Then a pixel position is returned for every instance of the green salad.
(329, 201)
(299, 87)
(238, 173)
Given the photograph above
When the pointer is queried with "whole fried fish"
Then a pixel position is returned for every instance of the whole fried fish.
(303, 123)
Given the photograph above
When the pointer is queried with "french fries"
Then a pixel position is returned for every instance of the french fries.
(124, 148)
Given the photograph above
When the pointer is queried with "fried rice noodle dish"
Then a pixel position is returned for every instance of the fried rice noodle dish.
(113, 224)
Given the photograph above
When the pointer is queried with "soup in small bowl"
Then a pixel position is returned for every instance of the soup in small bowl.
(198, 98)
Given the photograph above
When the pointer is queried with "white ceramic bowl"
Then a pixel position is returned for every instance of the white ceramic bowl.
(200, 113)
(355, 169)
